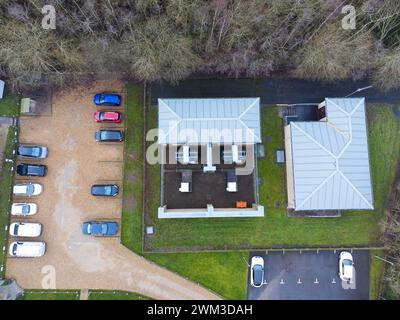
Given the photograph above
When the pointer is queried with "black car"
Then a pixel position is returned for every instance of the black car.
(109, 135)
(35, 170)
(38, 152)
(105, 190)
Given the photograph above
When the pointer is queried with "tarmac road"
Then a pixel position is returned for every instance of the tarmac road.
(272, 90)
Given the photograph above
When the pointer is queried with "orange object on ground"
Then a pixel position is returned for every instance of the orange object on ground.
(241, 204)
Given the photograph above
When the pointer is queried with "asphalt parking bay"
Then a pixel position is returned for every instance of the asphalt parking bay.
(310, 275)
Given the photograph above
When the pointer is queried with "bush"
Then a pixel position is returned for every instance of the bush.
(387, 73)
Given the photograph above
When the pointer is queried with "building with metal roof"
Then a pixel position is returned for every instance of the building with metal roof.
(202, 121)
(207, 139)
(327, 161)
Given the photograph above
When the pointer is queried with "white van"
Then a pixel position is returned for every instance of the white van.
(27, 249)
(25, 229)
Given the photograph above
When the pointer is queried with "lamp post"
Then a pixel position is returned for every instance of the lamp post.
(359, 90)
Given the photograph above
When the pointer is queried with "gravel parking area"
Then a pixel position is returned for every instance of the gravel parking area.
(310, 275)
(75, 163)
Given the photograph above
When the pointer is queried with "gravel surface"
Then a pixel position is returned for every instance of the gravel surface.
(76, 162)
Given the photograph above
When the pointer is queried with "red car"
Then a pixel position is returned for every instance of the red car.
(108, 116)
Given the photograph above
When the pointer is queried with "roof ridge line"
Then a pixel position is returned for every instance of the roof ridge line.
(257, 139)
(248, 108)
(313, 140)
(348, 142)
(169, 108)
(340, 132)
(344, 111)
(357, 106)
(318, 188)
(356, 190)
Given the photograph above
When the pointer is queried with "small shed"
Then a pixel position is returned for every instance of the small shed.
(2, 84)
(28, 106)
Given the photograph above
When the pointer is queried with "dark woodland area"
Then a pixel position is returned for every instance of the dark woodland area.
(150, 40)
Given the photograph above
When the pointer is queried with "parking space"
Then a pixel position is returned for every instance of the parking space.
(310, 275)
(76, 162)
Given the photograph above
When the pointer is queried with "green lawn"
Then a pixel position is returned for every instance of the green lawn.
(51, 295)
(10, 105)
(131, 233)
(225, 272)
(115, 295)
(376, 273)
(359, 228)
(6, 183)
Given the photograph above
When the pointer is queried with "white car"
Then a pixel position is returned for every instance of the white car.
(23, 209)
(25, 229)
(257, 271)
(27, 189)
(346, 266)
(27, 249)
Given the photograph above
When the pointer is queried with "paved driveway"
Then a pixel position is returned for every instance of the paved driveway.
(310, 276)
(271, 90)
(75, 162)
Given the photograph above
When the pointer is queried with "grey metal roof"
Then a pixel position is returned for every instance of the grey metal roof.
(199, 121)
(330, 159)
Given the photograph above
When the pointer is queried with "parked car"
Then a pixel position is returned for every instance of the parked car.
(37, 152)
(100, 228)
(108, 116)
(25, 229)
(346, 266)
(107, 99)
(109, 135)
(23, 209)
(33, 170)
(105, 190)
(27, 249)
(27, 189)
(257, 271)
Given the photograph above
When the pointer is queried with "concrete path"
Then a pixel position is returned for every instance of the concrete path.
(84, 294)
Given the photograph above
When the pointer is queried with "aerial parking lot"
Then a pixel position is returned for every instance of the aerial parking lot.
(76, 162)
(310, 275)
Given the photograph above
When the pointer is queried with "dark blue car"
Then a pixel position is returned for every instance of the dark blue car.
(100, 228)
(107, 99)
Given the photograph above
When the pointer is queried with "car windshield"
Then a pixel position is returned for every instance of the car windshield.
(102, 116)
(14, 250)
(35, 152)
(30, 151)
(107, 189)
(257, 274)
(347, 262)
(25, 209)
(109, 135)
(30, 188)
(16, 227)
(102, 98)
(23, 169)
(104, 228)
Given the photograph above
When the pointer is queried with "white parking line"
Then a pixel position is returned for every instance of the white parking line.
(282, 282)
(299, 281)
(333, 280)
(316, 281)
